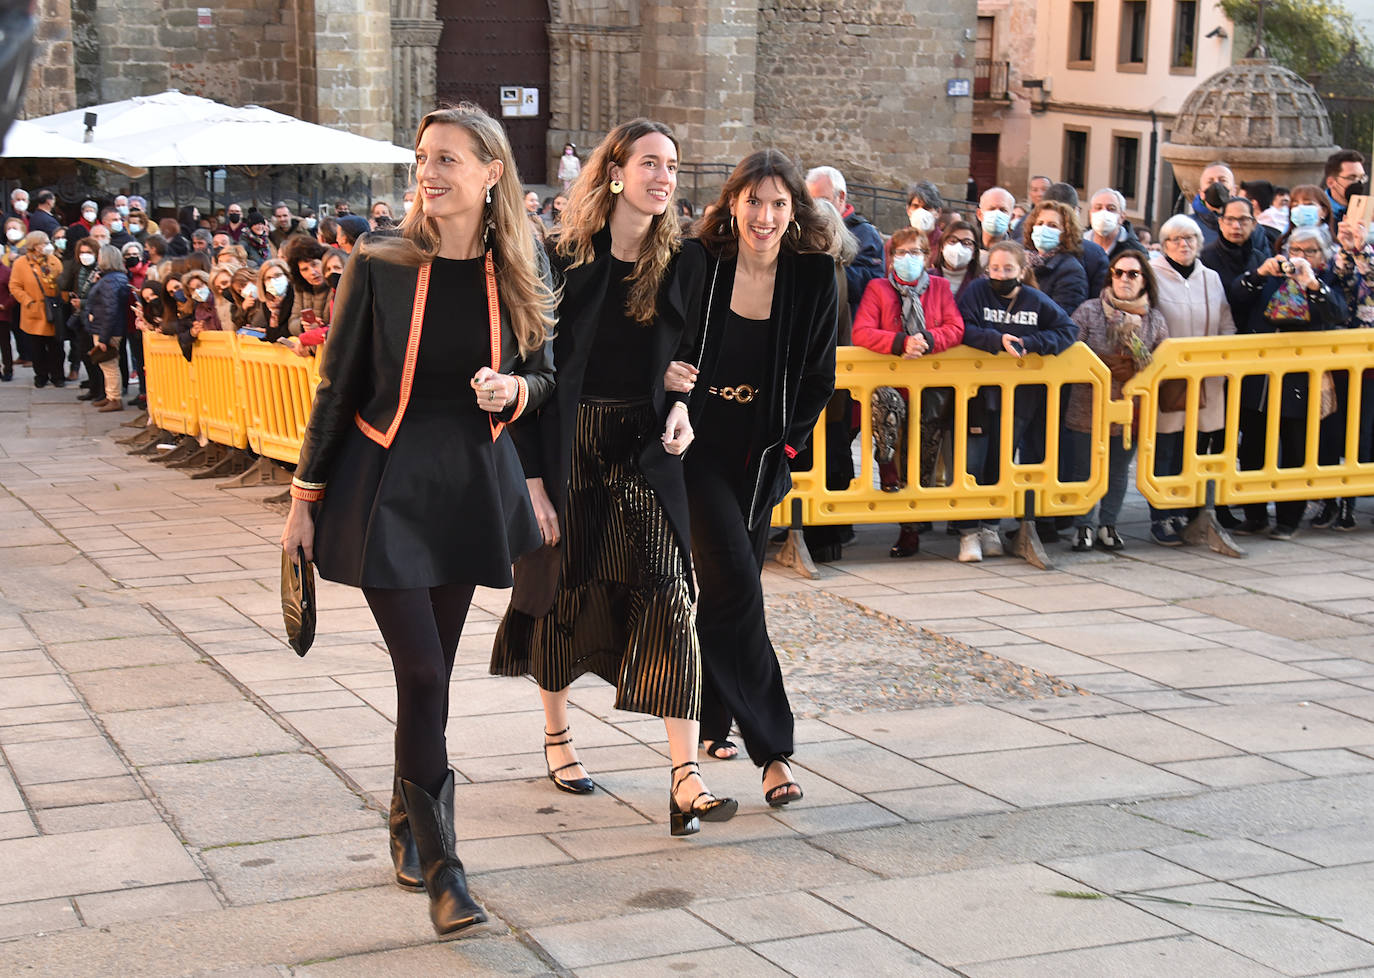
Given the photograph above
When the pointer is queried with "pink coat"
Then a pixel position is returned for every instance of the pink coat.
(878, 321)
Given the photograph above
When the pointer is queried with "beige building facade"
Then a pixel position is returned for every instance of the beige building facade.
(1097, 90)
(860, 84)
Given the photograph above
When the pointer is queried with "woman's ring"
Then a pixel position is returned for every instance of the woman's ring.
(491, 394)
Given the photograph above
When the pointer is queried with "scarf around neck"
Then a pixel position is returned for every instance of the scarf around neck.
(913, 313)
(1124, 320)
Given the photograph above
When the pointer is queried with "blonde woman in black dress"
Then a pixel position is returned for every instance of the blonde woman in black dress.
(604, 462)
(438, 341)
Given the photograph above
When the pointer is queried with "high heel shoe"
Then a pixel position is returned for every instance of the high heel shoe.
(687, 821)
(574, 786)
(777, 796)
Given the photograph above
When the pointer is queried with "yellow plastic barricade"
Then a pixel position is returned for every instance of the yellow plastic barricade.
(1272, 355)
(170, 386)
(966, 371)
(278, 387)
(217, 386)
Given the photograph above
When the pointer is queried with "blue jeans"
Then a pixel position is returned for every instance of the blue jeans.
(1106, 511)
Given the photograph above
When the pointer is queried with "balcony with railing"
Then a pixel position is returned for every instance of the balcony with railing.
(990, 79)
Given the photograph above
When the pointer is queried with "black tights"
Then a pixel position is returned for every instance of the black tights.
(421, 627)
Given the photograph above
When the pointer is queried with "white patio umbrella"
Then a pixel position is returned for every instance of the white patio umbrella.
(250, 136)
(25, 140)
(131, 115)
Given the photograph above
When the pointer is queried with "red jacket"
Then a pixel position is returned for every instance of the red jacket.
(878, 322)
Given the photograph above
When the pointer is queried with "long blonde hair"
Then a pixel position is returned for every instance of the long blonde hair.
(525, 295)
(589, 207)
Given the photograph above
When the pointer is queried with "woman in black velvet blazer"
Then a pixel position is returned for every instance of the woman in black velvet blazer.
(764, 373)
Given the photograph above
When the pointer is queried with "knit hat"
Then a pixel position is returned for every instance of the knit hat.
(254, 217)
(354, 226)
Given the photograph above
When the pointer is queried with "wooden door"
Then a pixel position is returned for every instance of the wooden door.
(982, 160)
(490, 45)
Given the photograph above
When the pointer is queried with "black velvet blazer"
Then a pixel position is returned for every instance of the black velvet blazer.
(369, 362)
(803, 322)
(545, 439)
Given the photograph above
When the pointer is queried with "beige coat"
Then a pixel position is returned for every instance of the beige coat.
(24, 284)
(1194, 306)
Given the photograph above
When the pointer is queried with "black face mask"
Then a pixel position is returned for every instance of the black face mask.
(1357, 189)
(1004, 286)
(131, 261)
(1216, 196)
(333, 280)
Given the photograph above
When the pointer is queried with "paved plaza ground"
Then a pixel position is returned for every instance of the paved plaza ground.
(181, 795)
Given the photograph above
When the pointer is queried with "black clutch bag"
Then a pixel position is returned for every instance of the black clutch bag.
(298, 600)
(536, 581)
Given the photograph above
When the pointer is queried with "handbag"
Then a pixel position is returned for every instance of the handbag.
(536, 580)
(109, 353)
(1173, 395)
(298, 600)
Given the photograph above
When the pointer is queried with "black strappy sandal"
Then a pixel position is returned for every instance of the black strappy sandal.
(687, 821)
(576, 786)
(716, 748)
(777, 796)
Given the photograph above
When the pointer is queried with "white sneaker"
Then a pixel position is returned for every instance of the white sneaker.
(970, 550)
(991, 540)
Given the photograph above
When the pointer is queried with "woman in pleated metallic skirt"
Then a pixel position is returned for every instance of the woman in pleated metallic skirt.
(611, 592)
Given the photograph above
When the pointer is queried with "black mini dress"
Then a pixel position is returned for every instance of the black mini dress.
(419, 514)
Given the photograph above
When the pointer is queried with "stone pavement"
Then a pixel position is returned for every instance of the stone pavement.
(181, 795)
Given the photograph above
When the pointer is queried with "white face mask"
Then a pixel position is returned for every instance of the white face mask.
(957, 255)
(20, 206)
(89, 216)
(87, 259)
(250, 291)
(922, 219)
(277, 286)
(1106, 223)
(47, 249)
(406, 205)
(15, 235)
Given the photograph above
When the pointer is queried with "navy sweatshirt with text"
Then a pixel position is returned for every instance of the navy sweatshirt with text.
(1031, 316)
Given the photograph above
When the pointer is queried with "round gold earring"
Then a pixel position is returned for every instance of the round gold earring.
(617, 186)
(797, 225)
(732, 223)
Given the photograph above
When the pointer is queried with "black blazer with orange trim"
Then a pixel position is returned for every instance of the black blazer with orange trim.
(369, 362)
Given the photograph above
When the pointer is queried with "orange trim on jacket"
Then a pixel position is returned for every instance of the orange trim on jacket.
(417, 322)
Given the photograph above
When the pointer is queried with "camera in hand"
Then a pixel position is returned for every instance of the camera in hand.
(1286, 266)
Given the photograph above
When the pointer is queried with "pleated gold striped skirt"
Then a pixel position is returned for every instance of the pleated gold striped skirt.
(623, 609)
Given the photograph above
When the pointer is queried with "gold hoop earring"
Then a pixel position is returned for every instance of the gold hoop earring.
(617, 186)
(732, 223)
(796, 225)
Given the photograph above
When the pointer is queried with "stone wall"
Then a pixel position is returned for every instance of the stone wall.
(594, 72)
(860, 84)
(52, 79)
(415, 34)
(352, 46)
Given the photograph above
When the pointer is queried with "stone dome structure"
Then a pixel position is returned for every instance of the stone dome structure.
(1259, 117)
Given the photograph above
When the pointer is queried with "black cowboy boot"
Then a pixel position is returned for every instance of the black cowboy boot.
(404, 856)
(451, 908)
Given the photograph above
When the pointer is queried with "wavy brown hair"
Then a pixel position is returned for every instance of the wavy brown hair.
(589, 207)
(1070, 241)
(524, 294)
(808, 233)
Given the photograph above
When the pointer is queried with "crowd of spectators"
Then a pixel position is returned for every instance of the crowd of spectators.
(1035, 275)
(78, 290)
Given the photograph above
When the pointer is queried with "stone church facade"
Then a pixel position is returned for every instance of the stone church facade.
(861, 84)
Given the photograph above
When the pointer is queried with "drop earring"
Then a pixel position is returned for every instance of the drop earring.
(617, 186)
(488, 195)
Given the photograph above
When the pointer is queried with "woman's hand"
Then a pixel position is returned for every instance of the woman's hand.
(544, 512)
(677, 433)
(97, 345)
(914, 347)
(680, 377)
(1351, 236)
(1303, 273)
(1271, 267)
(494, 391)
(1013, 345)
(299, 530)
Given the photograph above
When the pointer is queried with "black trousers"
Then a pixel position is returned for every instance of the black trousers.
(46, 354)
(1292, 452)
(741, 677)
(421, 627)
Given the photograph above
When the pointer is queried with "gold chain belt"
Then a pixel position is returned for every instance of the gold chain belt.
(742, 394)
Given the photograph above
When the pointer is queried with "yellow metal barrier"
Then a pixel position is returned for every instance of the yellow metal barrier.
(170, 386)
(218, 387)
(278, 388)
(965, 371)
(1272, 355)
